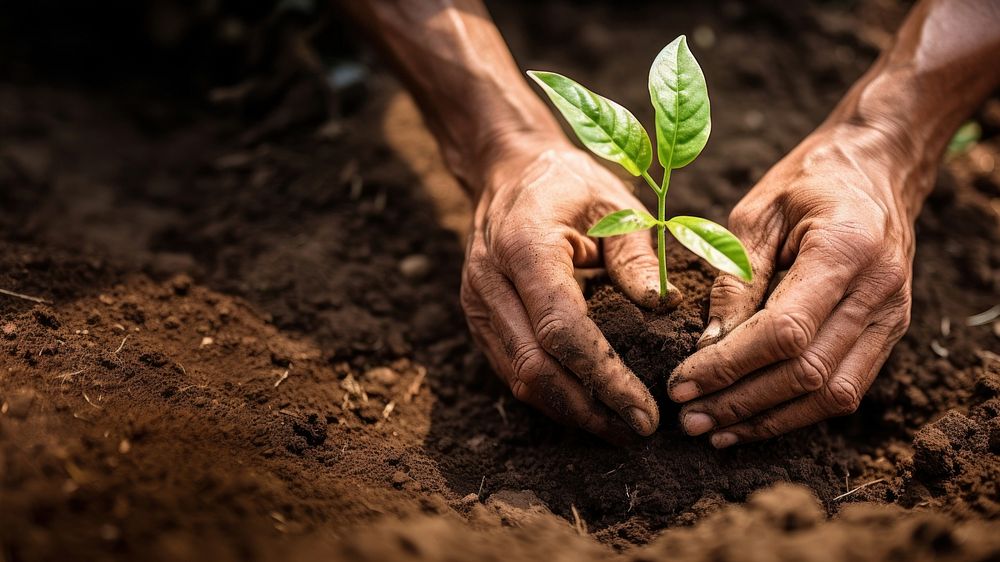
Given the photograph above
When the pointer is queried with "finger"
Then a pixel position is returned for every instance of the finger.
(533, 376)
(632, 264)
(785, 328)
(841, 396)
(542, 274)
(787, 380)
(732, 301)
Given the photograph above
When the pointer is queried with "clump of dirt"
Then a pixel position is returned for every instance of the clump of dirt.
(653, 343)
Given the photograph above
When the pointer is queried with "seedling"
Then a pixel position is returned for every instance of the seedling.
(680, 99)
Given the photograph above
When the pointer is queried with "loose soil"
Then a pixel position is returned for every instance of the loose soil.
(252, 347)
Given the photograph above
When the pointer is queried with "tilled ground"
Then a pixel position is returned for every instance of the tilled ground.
(252, 345)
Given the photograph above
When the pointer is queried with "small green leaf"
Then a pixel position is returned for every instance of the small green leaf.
(680, 97)
(606, 128)
(964, 139)
(713, 242)
(622, 222)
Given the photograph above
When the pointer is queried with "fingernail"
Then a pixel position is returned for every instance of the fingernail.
(696, 423)
(639, 420)
(711, 333)
(684, 391)
(724, 439)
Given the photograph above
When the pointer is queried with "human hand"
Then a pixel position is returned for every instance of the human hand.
(834, 213)
(525, 308)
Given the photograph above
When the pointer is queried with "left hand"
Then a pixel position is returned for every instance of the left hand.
(835, 213)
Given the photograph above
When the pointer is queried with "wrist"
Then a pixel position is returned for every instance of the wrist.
(492, 128)
(883, 118)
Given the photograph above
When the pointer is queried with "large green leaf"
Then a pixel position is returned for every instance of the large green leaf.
(680, 97)
(606, 128)
(622, 222)
(713, 242)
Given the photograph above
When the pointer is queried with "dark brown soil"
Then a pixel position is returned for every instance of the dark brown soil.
(253, 347)
(652, 343)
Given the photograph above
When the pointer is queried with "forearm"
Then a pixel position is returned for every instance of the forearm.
(458, 67)
(941, 66)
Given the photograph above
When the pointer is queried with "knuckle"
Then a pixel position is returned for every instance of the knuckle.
(521, 391)
(726, 288)
(521, 245)
(845, 243)
(792, 333)
(844, 397)
(893, 278)
(553, 331)
(527, 362)
(724, 370)
(736, 411)
(769, 429)
(811, 371)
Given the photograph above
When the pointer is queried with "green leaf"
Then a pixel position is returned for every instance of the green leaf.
(713, 242)
(964, 139)
(622, 222)
(606, 128)
(680, 97)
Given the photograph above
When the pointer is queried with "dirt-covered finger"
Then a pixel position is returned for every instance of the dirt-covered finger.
(535, 377)
(840, 396)
(732, 301)
(787, 380)
(557, 313)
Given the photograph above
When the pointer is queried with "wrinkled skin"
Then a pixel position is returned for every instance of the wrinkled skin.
(837, 213)
(524, 306)
(834, 220)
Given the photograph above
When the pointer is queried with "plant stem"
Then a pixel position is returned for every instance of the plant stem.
(661, 239)
(661, 248)
(652, 184)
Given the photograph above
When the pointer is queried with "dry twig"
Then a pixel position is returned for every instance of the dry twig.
(844, 495)
(38, 300)
(115, 352)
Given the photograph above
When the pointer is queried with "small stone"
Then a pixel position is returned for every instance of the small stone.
(206, 341)
(415, 267)
(10, 330)
(181, 284)
(124, 446)
(382, 375)
(399, 478)
(171, 323)
(18, 404)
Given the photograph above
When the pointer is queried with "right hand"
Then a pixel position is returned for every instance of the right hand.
(525, 308)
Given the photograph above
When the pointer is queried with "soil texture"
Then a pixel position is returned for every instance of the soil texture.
(230, 326)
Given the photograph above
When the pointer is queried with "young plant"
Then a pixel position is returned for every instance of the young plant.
(680, 99)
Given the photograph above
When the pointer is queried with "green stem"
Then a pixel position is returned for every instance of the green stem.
(661, 239)
(652, 184)
(661, 227)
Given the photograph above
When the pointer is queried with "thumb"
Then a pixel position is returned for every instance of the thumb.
(733, 301)
(632, 264)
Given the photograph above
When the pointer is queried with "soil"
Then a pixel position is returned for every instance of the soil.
(251, 345)
(653, 343)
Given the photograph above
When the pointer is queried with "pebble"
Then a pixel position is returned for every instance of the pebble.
(399, 478)
(19, 403)
(10, 330)
(382, 375)
(415, 267)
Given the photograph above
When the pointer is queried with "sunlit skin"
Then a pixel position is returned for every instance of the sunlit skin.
(837, 213)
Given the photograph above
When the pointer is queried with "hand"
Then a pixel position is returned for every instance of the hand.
(524, 306)
(834, 213)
